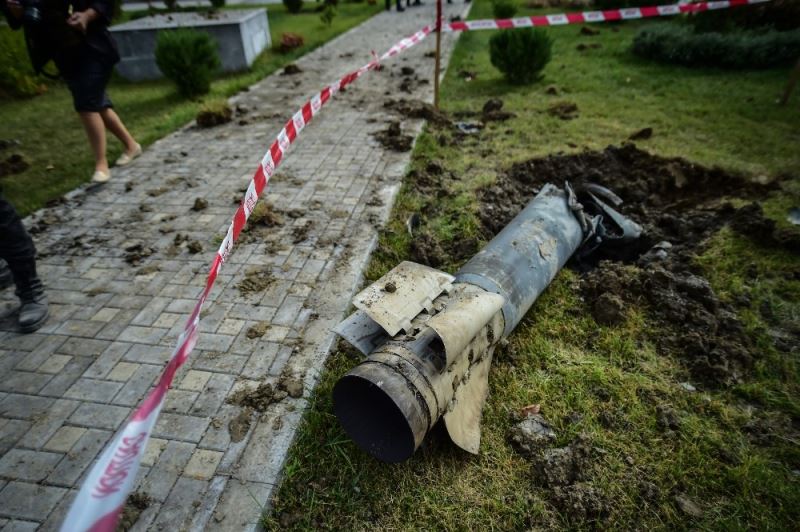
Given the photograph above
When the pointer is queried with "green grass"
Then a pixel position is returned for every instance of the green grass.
(54, 142)
(559, 356)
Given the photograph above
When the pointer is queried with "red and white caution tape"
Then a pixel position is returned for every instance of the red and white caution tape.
(596, 16)
(99, 502)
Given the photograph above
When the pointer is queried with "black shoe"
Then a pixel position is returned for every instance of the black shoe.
(33, 310)
(33, 313)
(6, 279)
(400, 9)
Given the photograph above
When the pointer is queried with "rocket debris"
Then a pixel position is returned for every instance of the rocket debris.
(429, 341)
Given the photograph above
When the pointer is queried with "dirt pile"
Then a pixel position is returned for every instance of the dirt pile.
(214, 114)
(266, 394)
(134, 506)
(531, 434)
(255, 280)
(393, 138)
(565, 472)
(13, 164)
(418, 109)
(680, 205)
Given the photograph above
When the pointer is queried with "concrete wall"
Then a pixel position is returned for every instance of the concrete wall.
(240, 35)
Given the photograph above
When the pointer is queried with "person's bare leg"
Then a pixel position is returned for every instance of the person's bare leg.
(96, 131)
(114, 124)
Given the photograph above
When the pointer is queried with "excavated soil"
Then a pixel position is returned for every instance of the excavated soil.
(134, 506)
(680, 205)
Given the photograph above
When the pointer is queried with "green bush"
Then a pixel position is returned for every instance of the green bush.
(328, 14)
(678, 44)
(189, 58)
(520, 54)
(293, 6)
(217, 4)
(17, 77)
(504, 8)
(783, 15)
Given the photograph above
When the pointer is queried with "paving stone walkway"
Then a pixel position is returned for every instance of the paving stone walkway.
(125, 262)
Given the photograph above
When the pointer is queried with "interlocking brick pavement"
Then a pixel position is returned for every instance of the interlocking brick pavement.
(65, 389)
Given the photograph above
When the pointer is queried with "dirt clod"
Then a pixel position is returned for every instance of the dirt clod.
(581, 502)
(255, 280)
(609, 309)
(667, 418)
(642, 134)
(563, 110)
(292, 386)
(214, 115)
(199, 204)
(390, 287)
(258, 330)
(563, 465)
(531, 434)
(393, 138)
(291, 69)
(134, 506)
(418, 109)
(586, 30)
(136, 252)
(290, 41)
(194, 247)
(264, 214)
(240, 425)
(14, 164)
(258, 399)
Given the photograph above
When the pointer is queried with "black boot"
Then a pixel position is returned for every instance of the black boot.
(6, 279)
(400, 7)
(33, 311)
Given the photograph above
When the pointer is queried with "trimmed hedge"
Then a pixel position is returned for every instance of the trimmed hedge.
(677, 44)
(504, 8)
(520, 54)
(189, 58)
(293, 6)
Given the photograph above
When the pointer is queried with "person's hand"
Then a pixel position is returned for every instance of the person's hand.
(80, 19)
(15, 8)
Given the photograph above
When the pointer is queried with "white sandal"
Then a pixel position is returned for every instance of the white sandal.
(101, 177)
(125, 159)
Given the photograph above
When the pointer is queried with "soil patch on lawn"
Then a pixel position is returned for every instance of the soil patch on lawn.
(680, 205)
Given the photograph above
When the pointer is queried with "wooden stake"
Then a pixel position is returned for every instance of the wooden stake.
(438, 54)
(794, 77)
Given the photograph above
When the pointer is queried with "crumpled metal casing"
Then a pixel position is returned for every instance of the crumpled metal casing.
(389, 402)
(436, 364)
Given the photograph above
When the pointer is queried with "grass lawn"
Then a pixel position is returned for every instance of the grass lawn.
(53, 141)
(559, 356)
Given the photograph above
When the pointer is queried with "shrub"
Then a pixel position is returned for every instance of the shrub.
(781, 15)
(189, 58)
(293, 6)
(217, 4)
(290, 41)
(328, 14)
(520, 54)
(677, 44)
(504, 8)
(16, 73)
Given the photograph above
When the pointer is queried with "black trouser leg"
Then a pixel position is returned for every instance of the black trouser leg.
(17, 249)
(16, 245)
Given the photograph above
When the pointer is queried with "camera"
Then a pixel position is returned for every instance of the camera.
(31, 11)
